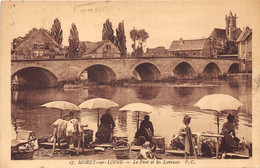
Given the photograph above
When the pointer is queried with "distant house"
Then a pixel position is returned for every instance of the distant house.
(245, 48)
(101, 49)
(36, 45)
(192, 48)
(156, 52)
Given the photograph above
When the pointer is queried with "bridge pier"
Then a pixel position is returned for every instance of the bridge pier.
(150, 69)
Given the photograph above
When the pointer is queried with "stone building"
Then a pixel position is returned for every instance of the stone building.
(218, 37)
(101, 49)
(36, 45)
(156, 52)
(232, 32)
(192, 48)
(244, 42)
(221, 38)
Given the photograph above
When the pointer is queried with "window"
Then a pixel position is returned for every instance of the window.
(250, 54)
(108, 46)
(47, 46)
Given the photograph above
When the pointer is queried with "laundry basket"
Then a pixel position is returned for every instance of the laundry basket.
(121, 149)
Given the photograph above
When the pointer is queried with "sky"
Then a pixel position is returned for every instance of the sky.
(164, 21)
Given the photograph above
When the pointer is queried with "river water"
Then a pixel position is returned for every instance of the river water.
(172, 102)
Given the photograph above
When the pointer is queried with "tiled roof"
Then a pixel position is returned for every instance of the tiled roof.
(33, 36)
(92, 46)
(183, 45)
(218, 33)
(243, 36)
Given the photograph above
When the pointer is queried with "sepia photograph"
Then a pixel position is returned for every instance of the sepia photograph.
(129, 84)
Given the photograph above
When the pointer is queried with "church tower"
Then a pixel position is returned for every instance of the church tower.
(231, 27)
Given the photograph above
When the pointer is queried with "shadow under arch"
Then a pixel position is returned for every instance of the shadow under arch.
(98, 73)
(184, 71)
(34, 78)
(146, 72)
(211, 70)
(234, 68)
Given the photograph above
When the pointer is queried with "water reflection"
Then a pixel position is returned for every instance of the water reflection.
(147, 93)
(183, 91)
(103, 91)
(171, 105)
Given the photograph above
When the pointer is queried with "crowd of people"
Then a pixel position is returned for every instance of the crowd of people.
(70, 127)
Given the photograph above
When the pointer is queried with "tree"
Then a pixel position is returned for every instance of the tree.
(73, 40)
(141, 36)
(120, 40)
(230, 47)
(139, 51)
(82, 49)
(56, 31)
(134, 37)
(108, 32)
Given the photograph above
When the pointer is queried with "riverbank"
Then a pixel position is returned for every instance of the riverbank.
(171, 81)
(108, 154)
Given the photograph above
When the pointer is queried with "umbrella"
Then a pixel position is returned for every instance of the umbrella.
(63, 105)
(98, 103)
(138, 107)
(218, 102)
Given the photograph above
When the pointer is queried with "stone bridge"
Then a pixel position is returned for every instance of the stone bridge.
(103, 70)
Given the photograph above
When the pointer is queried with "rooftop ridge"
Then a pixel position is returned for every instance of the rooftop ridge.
(192, 39)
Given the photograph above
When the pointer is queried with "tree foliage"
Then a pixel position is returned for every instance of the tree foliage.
(56, 31)
(141, 36)
(82, 48)
(73, 40)
(108, 32)
(120, 40)
(230, 47)
(133, 36)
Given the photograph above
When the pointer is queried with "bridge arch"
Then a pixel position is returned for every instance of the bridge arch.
(99, 73)
(234, 68)
(184, 71)
(34, 78)
(211, 70)
(146, 72)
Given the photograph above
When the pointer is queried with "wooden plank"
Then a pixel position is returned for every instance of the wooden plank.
(99, 149)
(213, 135)
(136, 148)
(238, 155)
(241, 153)
(104, 145)
(50, 144)
(175, 151)
(205, 135)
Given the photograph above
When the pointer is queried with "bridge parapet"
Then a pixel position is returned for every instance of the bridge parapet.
(153, 67)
